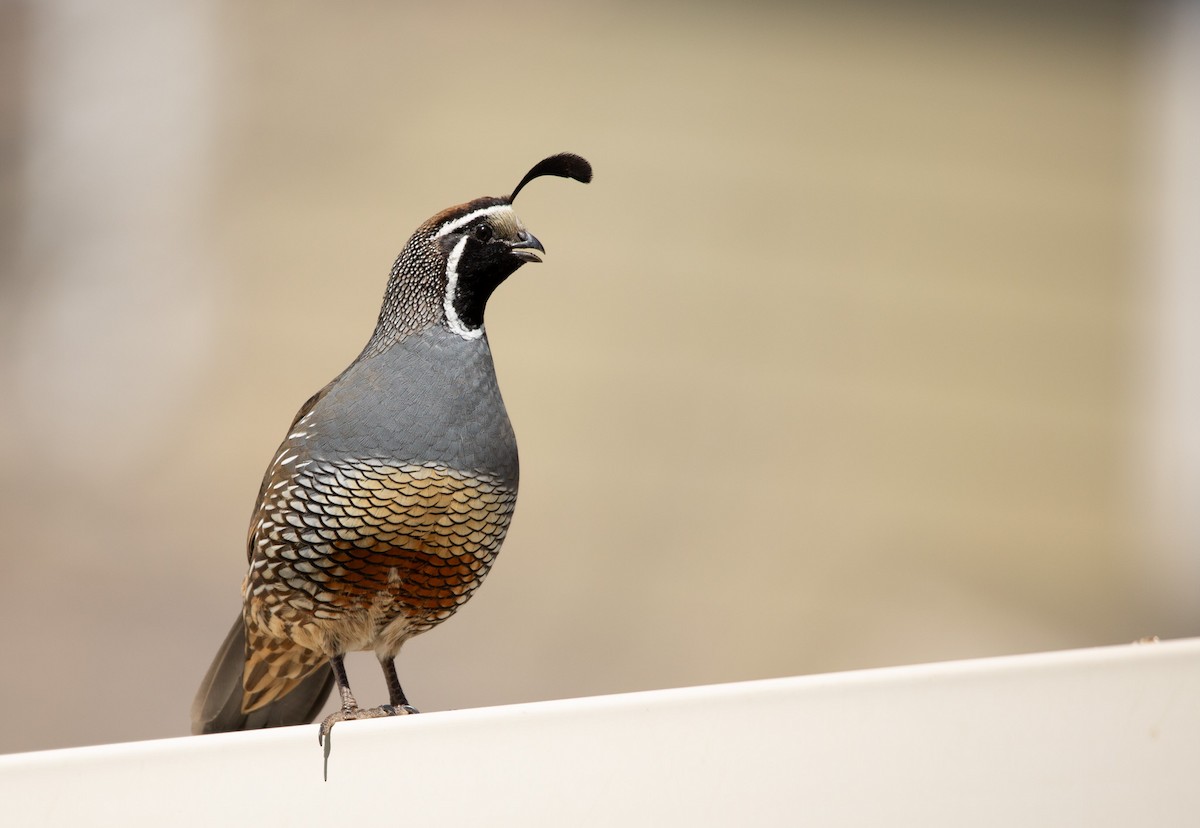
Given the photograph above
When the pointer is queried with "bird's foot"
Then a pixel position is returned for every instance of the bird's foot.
(349, 714)
(355, 713)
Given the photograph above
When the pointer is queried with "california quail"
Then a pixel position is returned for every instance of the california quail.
(385, 506)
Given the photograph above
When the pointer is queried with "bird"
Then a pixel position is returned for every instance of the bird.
(385, 506)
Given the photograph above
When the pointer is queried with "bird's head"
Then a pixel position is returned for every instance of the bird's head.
(477, 245)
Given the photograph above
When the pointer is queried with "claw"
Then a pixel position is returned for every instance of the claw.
(325, 734)
(326, 738)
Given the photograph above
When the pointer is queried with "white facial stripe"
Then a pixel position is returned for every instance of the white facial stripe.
(452, 319)
(470, 217)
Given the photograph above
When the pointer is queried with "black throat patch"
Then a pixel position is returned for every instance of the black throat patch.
(480, 269)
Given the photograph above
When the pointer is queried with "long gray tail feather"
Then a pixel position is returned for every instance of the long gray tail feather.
(218, 704)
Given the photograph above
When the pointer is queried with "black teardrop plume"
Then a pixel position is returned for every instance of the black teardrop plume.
(564, 165)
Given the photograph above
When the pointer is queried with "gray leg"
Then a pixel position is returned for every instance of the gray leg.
(395, 691)
(350, 709)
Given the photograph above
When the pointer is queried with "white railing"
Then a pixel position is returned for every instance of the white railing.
(1103, 737)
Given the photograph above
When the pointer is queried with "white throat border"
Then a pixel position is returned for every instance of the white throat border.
(452, 320)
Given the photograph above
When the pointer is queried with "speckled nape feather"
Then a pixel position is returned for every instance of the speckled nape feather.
(387, 502)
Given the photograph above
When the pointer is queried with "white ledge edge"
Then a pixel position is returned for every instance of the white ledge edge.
(1104, 736)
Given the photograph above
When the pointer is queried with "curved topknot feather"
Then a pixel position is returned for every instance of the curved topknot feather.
(564, 165)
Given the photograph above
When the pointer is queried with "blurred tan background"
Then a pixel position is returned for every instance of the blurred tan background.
(871, 342)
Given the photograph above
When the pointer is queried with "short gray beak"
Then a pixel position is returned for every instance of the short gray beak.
(525, 245)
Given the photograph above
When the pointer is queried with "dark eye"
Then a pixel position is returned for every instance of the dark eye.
(483, 232)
